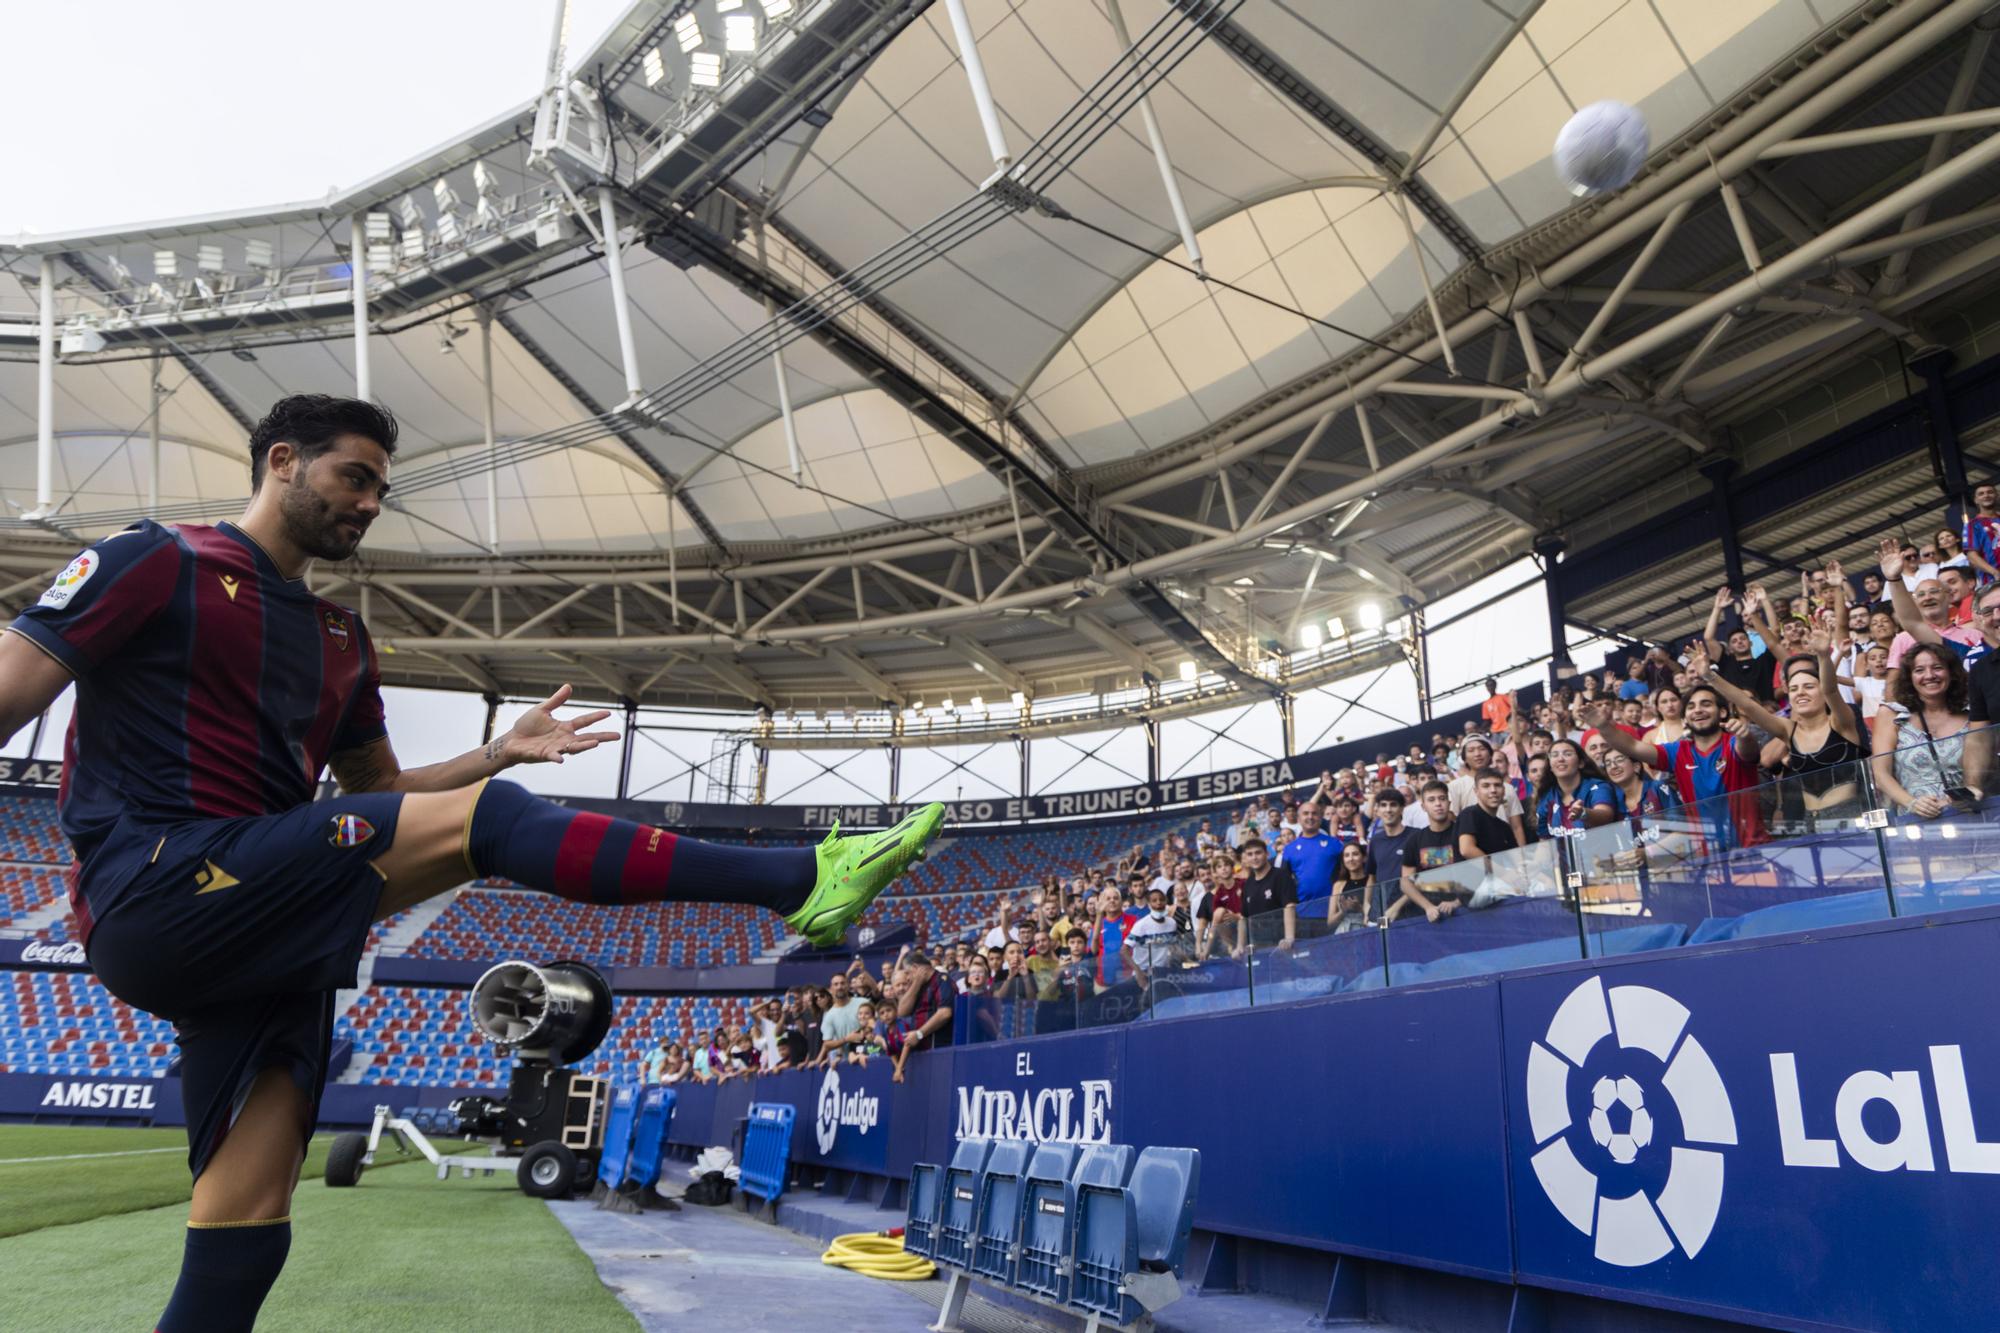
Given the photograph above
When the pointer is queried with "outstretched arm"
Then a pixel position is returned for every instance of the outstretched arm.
(1714, 625)
(30, 680)
(535, 738)
(1598, 715)
(1908, 614)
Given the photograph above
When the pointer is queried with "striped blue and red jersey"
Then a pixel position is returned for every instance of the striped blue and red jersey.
(208, 685)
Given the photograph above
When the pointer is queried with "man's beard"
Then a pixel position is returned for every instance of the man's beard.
(1710, 730)
(309, 522)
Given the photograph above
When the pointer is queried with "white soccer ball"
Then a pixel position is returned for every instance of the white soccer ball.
(1602, 148)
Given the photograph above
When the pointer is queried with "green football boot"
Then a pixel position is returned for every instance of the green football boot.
(852, 871)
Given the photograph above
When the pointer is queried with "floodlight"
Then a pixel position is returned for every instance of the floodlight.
(413, 246)
(1371, 615)
(655, 67)
(1309, 635)
(1019, 699)
(1336, 628)
(448, 230)
(1187, 671)
(978, 703)
(777, 8)
(484, 182)
(208, 258)
(724, 6)
(406, 209)
(739, 33)
(166, 264)
(376, 227)
(705, 69)
(947, 704)
(120, 275)
(258, 254)
(687, 31)
(443, 195)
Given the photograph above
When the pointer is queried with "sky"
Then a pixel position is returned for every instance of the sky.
(152, 111)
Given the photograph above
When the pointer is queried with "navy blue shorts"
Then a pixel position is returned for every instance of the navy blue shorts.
(239, 931)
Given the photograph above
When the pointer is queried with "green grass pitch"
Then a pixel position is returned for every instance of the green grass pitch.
(94, 1242)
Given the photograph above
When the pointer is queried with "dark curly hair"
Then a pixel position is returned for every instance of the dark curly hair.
(1904, 690)
(311, 422)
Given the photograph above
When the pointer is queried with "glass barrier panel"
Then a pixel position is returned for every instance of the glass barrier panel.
(1798, 853)
(1310, 955)
(1488, 914)
(1940, 831)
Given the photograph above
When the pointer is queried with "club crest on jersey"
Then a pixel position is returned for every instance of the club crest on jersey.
(350, 831)
(336, 629)
(75, 574)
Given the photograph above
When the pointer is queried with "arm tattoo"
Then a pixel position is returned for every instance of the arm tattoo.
(493, 748)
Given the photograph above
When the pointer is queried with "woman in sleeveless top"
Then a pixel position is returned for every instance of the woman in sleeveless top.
(1920, 733)
(1821, 739)
(1672, 725)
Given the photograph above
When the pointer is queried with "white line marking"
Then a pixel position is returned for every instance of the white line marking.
(80, 1156)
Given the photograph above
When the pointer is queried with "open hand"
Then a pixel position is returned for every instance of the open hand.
(1891, 556)
(537, 738)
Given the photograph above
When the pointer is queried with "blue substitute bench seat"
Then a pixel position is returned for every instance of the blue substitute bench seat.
(1098, 1231)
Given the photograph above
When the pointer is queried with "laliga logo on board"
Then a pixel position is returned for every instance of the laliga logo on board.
(1636, 1228)
(857, 1109)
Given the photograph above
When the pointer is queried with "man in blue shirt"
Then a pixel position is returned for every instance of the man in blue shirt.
(1634, 685)
(1312, 857)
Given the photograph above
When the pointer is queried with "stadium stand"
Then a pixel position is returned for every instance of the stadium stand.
(483, 924)
(67, 1023)
(419, 1035)
(24, 888)
(28, 832)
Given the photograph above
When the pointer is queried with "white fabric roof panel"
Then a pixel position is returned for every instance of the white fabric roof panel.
(679, 319)
(865, 460)
(905, 146)
(1168, 354)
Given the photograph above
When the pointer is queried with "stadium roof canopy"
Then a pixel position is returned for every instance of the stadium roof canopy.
(1036, 449)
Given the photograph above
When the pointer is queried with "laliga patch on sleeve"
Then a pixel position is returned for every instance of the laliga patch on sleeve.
(74, 576)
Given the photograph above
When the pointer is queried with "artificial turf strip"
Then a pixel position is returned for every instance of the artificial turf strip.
(39, 1194)
(402, 1252)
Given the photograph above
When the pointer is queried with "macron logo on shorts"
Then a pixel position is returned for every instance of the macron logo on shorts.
(212, 878)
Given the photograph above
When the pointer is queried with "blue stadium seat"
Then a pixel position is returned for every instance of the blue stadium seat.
(1104, 1164)
(1106, 1248)
(920, 1227)
(960, 1198)
(997, 1216)
(1165, 1183)
(1048, 1199)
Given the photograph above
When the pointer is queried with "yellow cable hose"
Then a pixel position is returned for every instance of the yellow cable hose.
(875, 1255)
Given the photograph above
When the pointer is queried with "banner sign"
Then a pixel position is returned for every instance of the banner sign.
(31, 774)
(65, 957)
(83, 1096)
(1718, 1132)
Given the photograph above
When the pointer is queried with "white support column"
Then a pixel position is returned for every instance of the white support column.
(45, 394)
(620, 307)
(1424, 272)
(1159, 142)
(778, 366)
(357, 265)
(982, 94)
(1367, 434)
(486, 417)
(153, 444)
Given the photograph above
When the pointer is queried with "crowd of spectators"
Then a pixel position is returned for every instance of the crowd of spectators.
(1885, 681)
